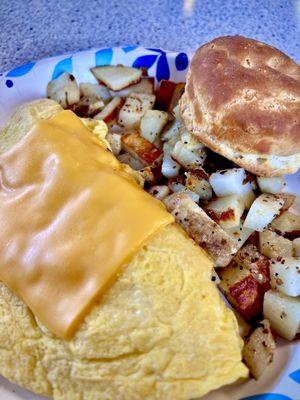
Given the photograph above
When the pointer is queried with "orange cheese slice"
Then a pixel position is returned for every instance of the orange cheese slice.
(70, 219)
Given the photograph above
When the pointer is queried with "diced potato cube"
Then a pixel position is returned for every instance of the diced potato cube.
(245, 280)
(240, 233)
(167, 95)
(209, 235)
(251, 259)
(117, 77)
(149, 175)
(170, 168)
(229, 182)
(287, 223)
(152, 123)
(114, 139)
(285, 275)
(164, 94)
(197, 182)
(273, 185)
(134, 108)
(248, 198)
(273, 245)
(189, 141)
(296, 247)
(176, 113)
(227, 211)
(140, 148)
(258, 351)
(262, 212)
(146, 85)
(133, 162)
(246, 296)
(172, 133)
(110, 111)
(179, 187)
(178, 92)
(87, 107)
(159, 191)
(115, 128)
(64, 90)
(189, 159)
(289, 200)
(283, 312)
(94, 90)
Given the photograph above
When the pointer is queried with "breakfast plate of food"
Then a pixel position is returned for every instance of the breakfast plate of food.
(151, 225)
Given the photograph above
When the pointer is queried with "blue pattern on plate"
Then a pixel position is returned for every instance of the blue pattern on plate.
(267, 396)
(295, 376)
(62, 66)
(127, 49)
(181, 61)
(103, 57)
(9, 83)
(156, 50)
(20, 71)
(163, 70)
(145, 61)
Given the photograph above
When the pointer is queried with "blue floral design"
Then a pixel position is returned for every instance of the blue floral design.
(181, 61)
(20, 71)
(62, 66)
(162, 67)
(9, 83)
(267, 396)
(162, 70)
(103, 57)
(295, 376)
(145, 61)
(127, 49)
(156, 50)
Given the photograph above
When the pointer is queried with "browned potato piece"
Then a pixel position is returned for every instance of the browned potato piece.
(146, 85)
(135, 106)
(114, 139)
(110, 111)
(149, 175)
(168, 94)
(141, 149)
(287, 224)
(283, 312)
(64, 90)
(273, 245)
(159, 191)
(259, 349)
(245, 280)
(207, 233)
(117, 77)
(133, 162)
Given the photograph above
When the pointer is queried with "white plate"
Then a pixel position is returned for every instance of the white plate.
(28, 82)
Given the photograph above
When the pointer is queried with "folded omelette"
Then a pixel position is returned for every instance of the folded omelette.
(161, 331)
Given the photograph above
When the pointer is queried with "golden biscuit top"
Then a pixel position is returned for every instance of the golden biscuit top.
(246, 94)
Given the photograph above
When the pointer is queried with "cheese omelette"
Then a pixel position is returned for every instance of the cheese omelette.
(160, 332)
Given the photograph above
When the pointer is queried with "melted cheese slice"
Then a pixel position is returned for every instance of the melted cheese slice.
(71, 217)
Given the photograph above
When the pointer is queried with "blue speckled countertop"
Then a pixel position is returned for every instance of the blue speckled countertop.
(33, 29)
